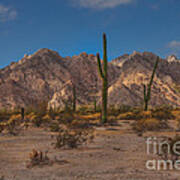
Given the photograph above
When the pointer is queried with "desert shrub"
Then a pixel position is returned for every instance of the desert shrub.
(162, 113)
(72, 138)
(115, 111)
(112, 111)
(30, 116)
(94, 116)
(34, 119)
(176, 114)
(38, 158)
(37, 121)
(46, 118)
(112, 120)
(10, 125)
(5, 114)
(164, 107)
(66, 117)
(53, 112)
(150, 124)
(79, 124)
(144, 115)
(54, 127)
(15, 117)
(128, 116)
(39, 108)
(85, 110)
(125, 108)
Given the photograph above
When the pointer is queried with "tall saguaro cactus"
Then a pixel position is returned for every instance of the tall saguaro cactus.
(74, 98)
(103, 72)
(147, 89)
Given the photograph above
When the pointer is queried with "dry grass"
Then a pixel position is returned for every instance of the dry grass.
(149, 124)
(38, 158)
(72, 138)
(90, 116)
(10, 125)
(176, 114)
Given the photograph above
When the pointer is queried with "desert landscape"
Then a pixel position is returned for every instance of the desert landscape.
(56, 123)
(89, 90)
(117, 151)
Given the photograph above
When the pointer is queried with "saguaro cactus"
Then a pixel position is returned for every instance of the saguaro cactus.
(74, 98)
(103, 72)
(147, 89)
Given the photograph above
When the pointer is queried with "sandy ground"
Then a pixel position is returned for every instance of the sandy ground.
(116, 154)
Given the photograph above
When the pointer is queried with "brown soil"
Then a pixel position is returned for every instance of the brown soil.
(116, 154)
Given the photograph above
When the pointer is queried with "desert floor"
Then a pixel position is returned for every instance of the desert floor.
(117, 153)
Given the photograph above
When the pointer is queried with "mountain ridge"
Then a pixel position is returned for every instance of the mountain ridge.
(43, 75)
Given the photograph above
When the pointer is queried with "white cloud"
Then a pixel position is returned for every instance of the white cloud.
(174, 44)
(7, 13)
(101, 4)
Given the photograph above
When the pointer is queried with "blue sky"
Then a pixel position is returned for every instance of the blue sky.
(74, 26)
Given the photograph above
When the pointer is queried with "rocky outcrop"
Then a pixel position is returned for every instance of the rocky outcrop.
(46, 76)
(172, 59)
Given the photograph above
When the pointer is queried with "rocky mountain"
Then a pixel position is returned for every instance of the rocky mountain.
(46, 76)
(172, 58)
(136, 71)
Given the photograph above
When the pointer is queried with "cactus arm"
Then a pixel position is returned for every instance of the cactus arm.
(105, 54)
(154, 70)
(100, 66)
(152, 78)
(147, 91)
(144, 92)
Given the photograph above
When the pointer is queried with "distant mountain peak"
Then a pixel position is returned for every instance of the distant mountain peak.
(134, 56)
(46, 51)
(45, 75)
(172, 58)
